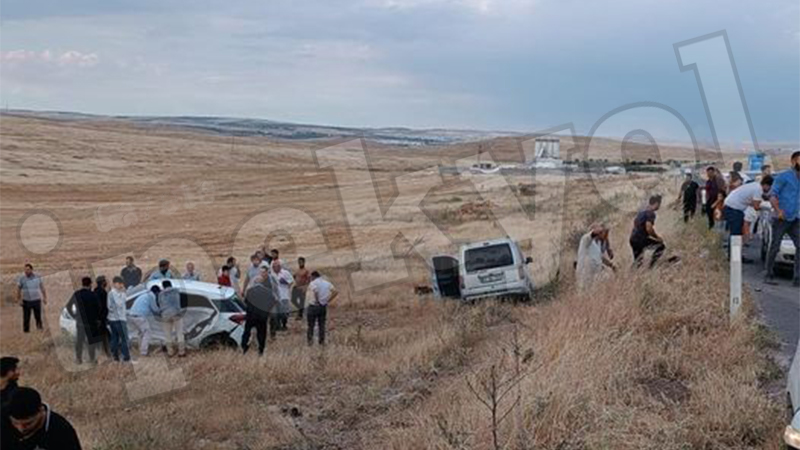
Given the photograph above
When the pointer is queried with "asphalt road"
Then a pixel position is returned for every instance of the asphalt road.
(779, 305)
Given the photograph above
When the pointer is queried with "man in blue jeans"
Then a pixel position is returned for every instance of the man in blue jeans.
(785, 199)
(739, 200)
(117, 321)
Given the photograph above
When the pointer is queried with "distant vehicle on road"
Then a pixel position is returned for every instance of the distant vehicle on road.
(214, 314)
(494, 268)
(791, 436)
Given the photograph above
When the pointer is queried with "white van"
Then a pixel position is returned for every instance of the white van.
(494, 268)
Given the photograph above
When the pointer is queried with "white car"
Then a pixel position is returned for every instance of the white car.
(494, 268)
(792, 434)
(214, 314)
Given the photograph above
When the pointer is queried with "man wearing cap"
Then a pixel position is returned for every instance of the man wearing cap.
(163, 272)
(31, 295)
(34, 426)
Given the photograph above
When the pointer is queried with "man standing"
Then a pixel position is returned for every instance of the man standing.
(163, 272)
(302, 277)
(715, 193)
(739, 200)
(36, 426)
(130, 273)
(87, 321)
(143, 308)
(169, 302)
(117, 316)
(737, 169)
(785, 199)
(31, 295)
(190, 273)
(9, 376)
(321, 293)
(690, 194)
(644, 236)
(224, 278)
(253, 271)
(284, 280)
(259, 302)
(100, 290)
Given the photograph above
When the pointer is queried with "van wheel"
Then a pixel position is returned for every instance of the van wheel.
(218, 342)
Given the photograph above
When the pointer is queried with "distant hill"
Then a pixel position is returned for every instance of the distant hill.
(231, 126)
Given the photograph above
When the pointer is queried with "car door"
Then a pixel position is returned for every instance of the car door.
(199, 318)
(445, 276)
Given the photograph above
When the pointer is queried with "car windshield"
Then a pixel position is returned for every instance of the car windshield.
(229, 305)
(489, 257)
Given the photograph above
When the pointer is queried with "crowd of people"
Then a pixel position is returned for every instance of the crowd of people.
(270, 291)
(735, 202)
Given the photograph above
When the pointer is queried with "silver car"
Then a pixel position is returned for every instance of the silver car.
(214, 314)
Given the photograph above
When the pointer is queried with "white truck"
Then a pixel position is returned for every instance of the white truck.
(493, 268)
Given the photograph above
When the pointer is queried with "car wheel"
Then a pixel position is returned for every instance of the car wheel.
(218, 342)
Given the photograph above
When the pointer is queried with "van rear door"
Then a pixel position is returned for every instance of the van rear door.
(445, 276)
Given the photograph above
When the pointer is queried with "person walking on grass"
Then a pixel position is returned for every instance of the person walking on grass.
(644, 236)
(302, 277)
(191, 274)
(260, 301)
(34, 426)
(320, 294)
(130, 273)
(87, 321)
(101, 291)
(689, 197)
(738, 202)
(785, 199)
(117, 321)
(144, 307)
(31, 295)
(284, 280)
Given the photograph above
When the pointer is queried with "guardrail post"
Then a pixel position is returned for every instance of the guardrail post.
(736, 274)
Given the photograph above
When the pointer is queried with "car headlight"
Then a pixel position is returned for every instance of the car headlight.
(791, 437)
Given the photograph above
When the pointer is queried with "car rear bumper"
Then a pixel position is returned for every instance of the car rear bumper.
(517, 290)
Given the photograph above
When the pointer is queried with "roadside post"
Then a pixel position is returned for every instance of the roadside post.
(736, 274)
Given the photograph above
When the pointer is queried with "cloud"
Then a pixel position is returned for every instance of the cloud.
(69, 58)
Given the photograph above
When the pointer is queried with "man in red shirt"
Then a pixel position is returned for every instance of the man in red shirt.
(224, 278)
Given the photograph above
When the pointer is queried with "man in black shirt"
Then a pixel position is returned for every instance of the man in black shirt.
(36, 426)
(690, 193)
(130, 273)
(9, 376)
(101, 291)
(644, 234)
(87, 320)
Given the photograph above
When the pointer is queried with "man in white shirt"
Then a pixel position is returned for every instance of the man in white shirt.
(283, 279)
(737, 202)
(592, 257)
(318, 296)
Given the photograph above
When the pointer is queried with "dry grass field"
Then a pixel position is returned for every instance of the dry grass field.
(646, 360)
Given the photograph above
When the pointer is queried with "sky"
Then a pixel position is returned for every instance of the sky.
(517, 65)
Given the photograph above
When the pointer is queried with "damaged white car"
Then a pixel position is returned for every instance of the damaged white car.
(214, 314)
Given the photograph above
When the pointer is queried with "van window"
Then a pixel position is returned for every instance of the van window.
(489, 257)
